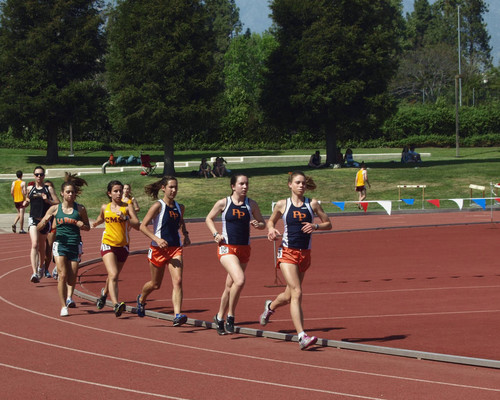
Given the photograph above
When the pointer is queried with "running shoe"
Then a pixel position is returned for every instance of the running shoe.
(230, 324)
(180, 319)
(47, 273)
(14, 228)
(34, 278)
(119, 308)
(141, 307)
(307, 341)
(39, 273)
(220, 326)
(101, 301)
(70, 303)
(264, 318)
(55, 275)
(64, 312)
(22, 232)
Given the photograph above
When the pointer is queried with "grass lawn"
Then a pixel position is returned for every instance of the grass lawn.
(445, 175)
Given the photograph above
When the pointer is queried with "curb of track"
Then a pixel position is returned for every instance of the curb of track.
(419, 355)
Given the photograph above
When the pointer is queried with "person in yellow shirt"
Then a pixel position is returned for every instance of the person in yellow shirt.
(18, 193)
(117, 216)
(360, 183)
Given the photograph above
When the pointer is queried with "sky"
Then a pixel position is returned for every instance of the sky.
(254, 14)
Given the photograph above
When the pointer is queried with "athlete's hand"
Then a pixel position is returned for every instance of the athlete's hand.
(273, 234)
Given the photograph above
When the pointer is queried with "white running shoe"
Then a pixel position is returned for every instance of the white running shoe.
(64, 312)
(264, 317)
(307, 341)
(54, 273)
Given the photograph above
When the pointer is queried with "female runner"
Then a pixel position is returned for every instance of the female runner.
(238, 214)
(70, 217)
(40, 197)
(129, 198)
(116, 215)
(294, 255)
(166, 247)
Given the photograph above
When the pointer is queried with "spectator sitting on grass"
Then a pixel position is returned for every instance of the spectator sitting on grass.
(205, 169)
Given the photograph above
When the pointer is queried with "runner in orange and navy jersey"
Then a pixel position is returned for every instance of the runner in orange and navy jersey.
(166, 247)
(238, 214)
(116, 215)
(294, 255)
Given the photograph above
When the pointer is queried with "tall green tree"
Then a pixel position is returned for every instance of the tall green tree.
(245, 64)
(161, 70)
(474, 37)
(49, 52)
(332, 66)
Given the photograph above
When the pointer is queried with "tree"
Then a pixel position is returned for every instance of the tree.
(245, 63)
(332, 66)
(474, 38)
(49, 51)
(160, 70)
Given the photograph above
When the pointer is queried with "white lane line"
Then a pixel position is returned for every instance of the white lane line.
(343, 370)
(64, 378)
(147, 364)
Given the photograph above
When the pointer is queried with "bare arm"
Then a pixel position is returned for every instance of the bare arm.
(325, 224)
(100, 219)
(84, 224)
(279, 209)
(182, 226)
(48, 215)
(258, 222)
(152, 213)
(134, 221)
(210, 219)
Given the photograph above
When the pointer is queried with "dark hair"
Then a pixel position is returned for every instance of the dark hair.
(234, 179)
(39, 167)
(73, 180)
(48, 183)
(310, 184)
(153, 188)
(110, 186)
(19, 174)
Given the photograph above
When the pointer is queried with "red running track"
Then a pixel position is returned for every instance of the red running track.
(385, 287)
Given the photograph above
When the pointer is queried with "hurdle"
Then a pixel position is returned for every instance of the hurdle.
(411, 187)
(476, 187)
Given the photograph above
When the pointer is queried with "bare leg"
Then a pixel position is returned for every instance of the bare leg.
(63, 267)
(113, 267)
(235, 281)
(175, 268)
(293, 294)
(155, 282)
(72, 275)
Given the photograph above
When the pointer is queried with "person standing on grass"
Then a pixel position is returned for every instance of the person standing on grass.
(360, 183)
(166, 247)
(117, 216)
(40, 197)
(294, 255)
(18, 193)
(69, 217)
(238, 214)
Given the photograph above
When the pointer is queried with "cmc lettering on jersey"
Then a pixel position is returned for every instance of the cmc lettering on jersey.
(298, 215)
(238, 213)
(113, 219)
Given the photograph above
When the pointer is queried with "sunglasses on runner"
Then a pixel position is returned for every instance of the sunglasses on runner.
(39, 174)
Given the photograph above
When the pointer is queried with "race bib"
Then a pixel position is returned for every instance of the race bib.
(223, 250)
(280, 252)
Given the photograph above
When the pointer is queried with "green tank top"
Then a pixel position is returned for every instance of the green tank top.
(66, 230)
